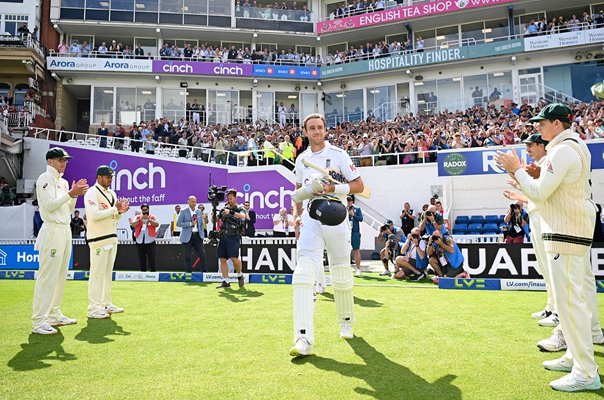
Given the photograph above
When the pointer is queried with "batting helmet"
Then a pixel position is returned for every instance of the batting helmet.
(327, 210)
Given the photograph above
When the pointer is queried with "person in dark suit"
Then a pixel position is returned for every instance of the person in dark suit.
(103, 132)
(250, 220)
(190, 220)
(139, 52)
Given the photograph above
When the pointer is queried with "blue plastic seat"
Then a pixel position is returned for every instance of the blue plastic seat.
(475, 229)
(490, 228)
(501, 218)
(477, 219)
(460, 229)
(462, 219)
(491, 219)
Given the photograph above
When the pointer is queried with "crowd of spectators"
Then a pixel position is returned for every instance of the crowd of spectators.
(407, 139)
(561, 24)
(275, 11)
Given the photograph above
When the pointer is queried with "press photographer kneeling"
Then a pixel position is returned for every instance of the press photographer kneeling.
(391, 250)
(232, 222)
(445, 257)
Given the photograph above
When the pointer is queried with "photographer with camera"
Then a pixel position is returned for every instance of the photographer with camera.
(407, 219)
(433, 221)
(190, 220)
(355, 217)
(445, 257)
(516, 219)
(413, 258)
(391, 250)
(232, 219)
(385, 231)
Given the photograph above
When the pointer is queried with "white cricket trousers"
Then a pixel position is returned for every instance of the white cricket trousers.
(54, 246)
(574, 288)
(99, 281)
(539, 248)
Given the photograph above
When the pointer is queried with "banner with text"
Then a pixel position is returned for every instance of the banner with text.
(201, 68)
(97, 64)
(410, 60)
(566, 39)
(482, 162)
(144, 179)
(21, 256)
(516, 261)
(401, 14)
(286, 71)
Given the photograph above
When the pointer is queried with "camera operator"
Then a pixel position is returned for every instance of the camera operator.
(355, 217)
(413, 258)
(433, 221)
(445, 257)
(516, 219)
(385, 231)
(232, 218)
(391, 250)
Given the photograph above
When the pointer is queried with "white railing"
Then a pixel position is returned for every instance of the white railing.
(155, 148)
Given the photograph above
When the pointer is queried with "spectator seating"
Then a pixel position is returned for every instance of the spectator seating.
(460, 229)
(491, 219)
(491, 228)
(476, 219)
(462, 219)
(475, 229)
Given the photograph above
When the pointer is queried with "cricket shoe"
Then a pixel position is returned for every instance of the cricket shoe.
(598, 338)
(559, 364)
(99, 314)
(554, 343)
(44, 330)
(61, 320)
(358, 272)
(541, 314)
(552, 320)
(435, 279)
(112, 309)
(574, 383)
(241, 281)
(301, 348)
(385, 273)
(346, 330)
(418, 277)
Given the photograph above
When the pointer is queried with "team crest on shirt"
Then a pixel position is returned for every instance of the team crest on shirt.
(53, 252)
(104, 206)
(550, 167)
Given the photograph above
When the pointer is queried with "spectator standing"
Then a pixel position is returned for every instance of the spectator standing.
(283, 223)
(407, 219)
(77, 225)
(174, 228)
(516, 219)
(103, 132)
(145, 232)
(190, 220)
(250, 220)
(355, 217)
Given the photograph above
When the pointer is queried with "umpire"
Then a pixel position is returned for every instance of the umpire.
(231, 219)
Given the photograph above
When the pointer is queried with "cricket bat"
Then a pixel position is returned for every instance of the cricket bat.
(335, 177)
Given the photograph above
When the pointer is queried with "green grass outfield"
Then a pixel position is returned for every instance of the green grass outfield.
(191, 341)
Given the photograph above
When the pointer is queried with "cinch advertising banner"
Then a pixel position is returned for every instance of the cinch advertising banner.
(21, 256)
(98, 64)
(482, 161)
(401, 14)
(154, 180)
(286, 71)
(201, 68)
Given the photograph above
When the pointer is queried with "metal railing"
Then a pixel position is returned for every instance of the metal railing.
(273, 14)
(25, 40)
(159, 149)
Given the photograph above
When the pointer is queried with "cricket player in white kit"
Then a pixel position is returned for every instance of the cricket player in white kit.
(568, 213)
(57, 202)
(103, 210)
(316, 234)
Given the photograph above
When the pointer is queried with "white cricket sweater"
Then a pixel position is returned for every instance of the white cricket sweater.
(102, 216)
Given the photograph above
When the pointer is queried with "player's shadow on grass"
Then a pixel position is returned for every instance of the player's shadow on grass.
(371, 277)
(98, 331)
(357, 300)
(387, 380)
(37, 350)
(237, 295)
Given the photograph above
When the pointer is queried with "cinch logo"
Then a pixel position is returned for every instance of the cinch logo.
(455, 164)
(224, 70)
(469, 283)
(270, 199)
(133, 179)
(273, 278)
(178, 68)
(270, 71)
(3, 256)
